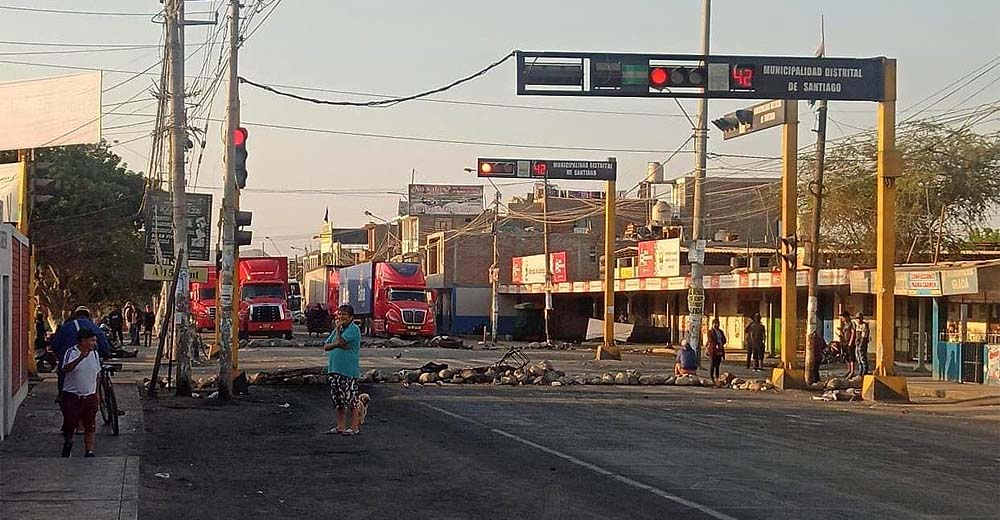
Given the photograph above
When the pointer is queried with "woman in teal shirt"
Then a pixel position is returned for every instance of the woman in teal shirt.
(343, 355)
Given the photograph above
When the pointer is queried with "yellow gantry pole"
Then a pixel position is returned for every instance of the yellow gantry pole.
(608, 350)
(786, 375)
(884, 384)
(24, 226)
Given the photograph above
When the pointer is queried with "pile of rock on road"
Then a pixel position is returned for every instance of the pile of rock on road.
(540, 373)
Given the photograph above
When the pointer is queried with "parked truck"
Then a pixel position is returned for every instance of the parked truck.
(263, 283)
(390, 298)
(203, 301)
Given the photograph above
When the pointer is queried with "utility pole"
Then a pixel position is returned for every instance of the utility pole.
(548, 260)
(696, 295)
(178, 146)
(495, 271)
(816, 191)
(813, 255)
(227, 274)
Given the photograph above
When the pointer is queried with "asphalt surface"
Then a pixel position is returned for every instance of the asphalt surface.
(573, 452)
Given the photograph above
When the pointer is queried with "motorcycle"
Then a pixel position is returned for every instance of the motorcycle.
(45, 359)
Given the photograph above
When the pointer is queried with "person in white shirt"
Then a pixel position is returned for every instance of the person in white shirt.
(78, 399)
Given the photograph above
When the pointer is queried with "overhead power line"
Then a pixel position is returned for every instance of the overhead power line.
(67, 11)
(382, 102)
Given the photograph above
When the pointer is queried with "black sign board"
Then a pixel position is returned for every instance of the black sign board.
(549, 169)
(682, 76)
(159, 227)
(753, 119)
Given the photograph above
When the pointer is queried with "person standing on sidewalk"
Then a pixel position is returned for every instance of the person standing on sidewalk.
(848, 343)
(862, 333)
(755, 336)
(132, 323)
(818, 344)
(148, 320)
(66, 337)
(715, 347)
(343, 352)
(78, 398)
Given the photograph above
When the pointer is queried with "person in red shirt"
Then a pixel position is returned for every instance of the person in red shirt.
(715, 348)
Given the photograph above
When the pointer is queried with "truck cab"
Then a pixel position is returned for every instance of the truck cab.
(264, 308)
(403, 304)
(203, 306)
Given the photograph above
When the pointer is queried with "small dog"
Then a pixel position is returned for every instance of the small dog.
(362, 410)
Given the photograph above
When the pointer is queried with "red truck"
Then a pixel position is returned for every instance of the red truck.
(263, 283)
(203, 301)
(390, 298)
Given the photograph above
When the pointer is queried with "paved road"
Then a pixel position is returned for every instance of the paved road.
(529, 452)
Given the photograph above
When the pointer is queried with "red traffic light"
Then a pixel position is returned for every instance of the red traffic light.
(658, 77)
(489, 168)
(240, 136)
(486, 168)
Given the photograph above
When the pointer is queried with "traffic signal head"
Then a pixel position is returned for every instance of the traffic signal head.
(240, 158)
(488, 168)
(726, 123)
(243, 236)
(41, 189)
(789, 246)
(679, 77)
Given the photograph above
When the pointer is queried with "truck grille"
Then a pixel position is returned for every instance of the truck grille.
(266, 313)
(412, 317)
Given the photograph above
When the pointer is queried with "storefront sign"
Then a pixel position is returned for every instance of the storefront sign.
(921, 283)
(960, 281)
(659, 258)
(531, 269)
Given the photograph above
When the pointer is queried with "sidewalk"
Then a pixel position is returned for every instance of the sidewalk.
(36, 483)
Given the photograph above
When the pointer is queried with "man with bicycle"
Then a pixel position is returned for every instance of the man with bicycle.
(78, 399)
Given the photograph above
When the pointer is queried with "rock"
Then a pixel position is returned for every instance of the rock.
(411, 376)
(854, 382)
(457, 380)
(536, 345)
(647, 380)
(521, 376)
(687, 380)
(607, 379)
(706, 382)
(546, 365)
(633, 376)
(817, 386)
(736, 382)
(392, 378)
(401, 343)
(467, 373)
(549, 378)
(446, 342)
(556, 383)
(446, 373)
(536, 370)
(836, 383)
(508, 380)
(621, 378)
(725, 379)
(671, 380)
(490, 374)
(579, 379)
(428, 377)
(755, 386)
(596, 380)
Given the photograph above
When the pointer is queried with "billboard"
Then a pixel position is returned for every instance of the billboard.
(531, 269)
(160, 231)
(59, 111)
(658, 258)
(437, 199)
(10, 191)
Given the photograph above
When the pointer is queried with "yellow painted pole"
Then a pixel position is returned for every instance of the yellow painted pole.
(785, 375)
(884, 384)
(608, 350)
(885, 275)
(24, 226)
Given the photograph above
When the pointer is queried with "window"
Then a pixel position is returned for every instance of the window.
(868, 304)
(206, 293)
(262, 291)
(442, 224)
(407, 295)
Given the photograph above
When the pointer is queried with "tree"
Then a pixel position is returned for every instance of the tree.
(984, 235)
(948, 181)
(87, 239)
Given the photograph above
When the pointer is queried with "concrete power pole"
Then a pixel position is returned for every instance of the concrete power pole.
(181, 341)
(495, 272)
(813, 255)
(548, 260)
(696, 295)
(816, 191)
(227, 274)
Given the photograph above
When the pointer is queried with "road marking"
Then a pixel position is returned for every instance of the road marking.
(584, 464)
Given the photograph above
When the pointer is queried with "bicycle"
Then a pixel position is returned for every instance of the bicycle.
(106, 396)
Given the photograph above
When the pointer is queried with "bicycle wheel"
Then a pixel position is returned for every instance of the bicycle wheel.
(102, 399)
(113, 408)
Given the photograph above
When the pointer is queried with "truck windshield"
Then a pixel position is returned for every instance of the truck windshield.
(404, 295)
(262, 291)
(207, 293)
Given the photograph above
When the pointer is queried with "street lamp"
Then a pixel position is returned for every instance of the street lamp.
(275, 244)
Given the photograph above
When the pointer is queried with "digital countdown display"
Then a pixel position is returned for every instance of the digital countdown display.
(742, 77)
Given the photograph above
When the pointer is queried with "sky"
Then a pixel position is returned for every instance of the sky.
(398, 48)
